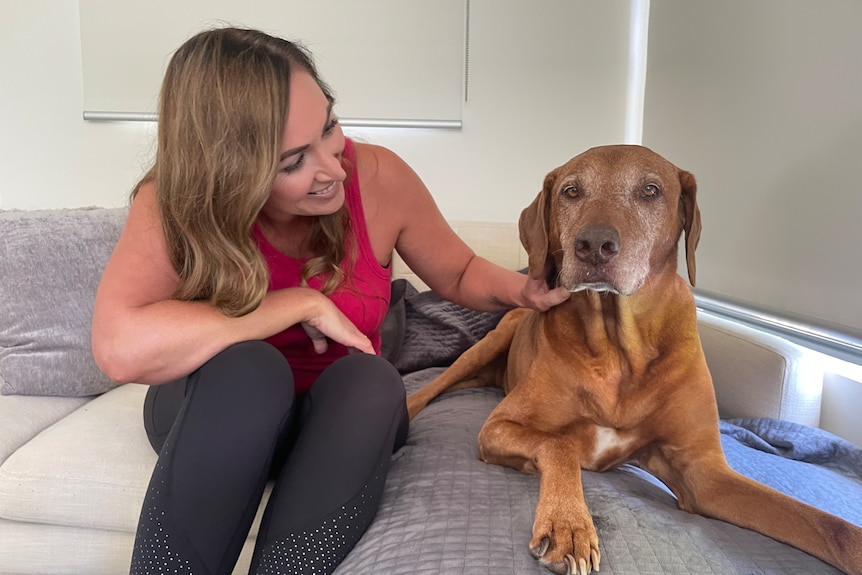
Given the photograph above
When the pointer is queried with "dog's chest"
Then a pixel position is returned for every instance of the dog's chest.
(610, 448)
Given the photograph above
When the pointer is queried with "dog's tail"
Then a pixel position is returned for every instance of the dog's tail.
(482, 365)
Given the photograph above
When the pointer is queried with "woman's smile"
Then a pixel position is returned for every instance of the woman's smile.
(325, 191)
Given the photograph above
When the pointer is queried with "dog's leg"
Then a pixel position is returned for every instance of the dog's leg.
(709, 487)
(564, 537)
(467, 370)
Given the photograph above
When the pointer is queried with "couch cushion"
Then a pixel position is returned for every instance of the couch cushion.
(89, 469)
(51, 262)
(757, 374)
(78, 486)
(24, 417)
(33, 549)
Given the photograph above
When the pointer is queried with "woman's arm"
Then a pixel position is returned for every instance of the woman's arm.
(434, 251)
(142, 335)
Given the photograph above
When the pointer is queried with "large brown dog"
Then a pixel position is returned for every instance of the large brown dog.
(617, 373)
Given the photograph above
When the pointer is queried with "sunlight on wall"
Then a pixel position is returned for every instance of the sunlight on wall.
(842, 398)
(636, 84)
(810, 376)
(845, 369)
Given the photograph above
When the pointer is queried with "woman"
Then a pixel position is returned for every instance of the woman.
(248, 288)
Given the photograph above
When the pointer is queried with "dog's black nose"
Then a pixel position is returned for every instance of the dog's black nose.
(597, 244)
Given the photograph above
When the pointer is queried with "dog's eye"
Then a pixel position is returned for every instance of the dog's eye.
(651, 191)
(571, 192)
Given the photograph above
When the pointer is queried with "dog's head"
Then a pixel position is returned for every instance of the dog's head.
(610, 217)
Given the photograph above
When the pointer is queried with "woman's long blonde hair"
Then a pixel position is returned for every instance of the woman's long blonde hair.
(222, 113)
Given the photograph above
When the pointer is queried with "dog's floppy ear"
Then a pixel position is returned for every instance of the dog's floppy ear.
(533, 228)
(691, 220)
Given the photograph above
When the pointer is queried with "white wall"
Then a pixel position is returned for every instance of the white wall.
(842, 399)
(547, 80)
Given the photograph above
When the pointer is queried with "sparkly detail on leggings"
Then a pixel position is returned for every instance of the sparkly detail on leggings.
(320, 551)
(153, 552)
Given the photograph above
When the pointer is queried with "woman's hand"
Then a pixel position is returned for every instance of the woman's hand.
(328, 322)
(538, 296)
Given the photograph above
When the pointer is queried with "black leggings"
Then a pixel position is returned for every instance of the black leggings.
(229, 427)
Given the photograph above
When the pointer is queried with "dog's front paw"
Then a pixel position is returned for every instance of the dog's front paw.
(567, 547)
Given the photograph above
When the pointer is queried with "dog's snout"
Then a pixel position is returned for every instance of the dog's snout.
(597, 244)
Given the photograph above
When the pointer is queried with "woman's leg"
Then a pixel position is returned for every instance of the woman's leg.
(352, 419)
(226, 420)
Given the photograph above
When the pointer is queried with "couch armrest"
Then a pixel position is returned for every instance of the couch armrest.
(756, 374)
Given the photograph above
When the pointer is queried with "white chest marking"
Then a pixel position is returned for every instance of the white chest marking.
(609, 443)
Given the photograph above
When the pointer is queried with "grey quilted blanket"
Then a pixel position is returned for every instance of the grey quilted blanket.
(444, 511)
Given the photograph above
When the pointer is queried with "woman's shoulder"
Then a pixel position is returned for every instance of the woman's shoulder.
(368, 157)
(379, 166)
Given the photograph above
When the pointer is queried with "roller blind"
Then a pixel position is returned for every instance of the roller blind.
(762, 101)
(387, 60)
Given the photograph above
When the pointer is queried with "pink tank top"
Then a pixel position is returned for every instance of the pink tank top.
(364, 299)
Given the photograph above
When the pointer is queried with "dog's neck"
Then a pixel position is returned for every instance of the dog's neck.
(628, 326)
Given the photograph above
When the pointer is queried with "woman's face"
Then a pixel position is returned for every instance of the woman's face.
(310, 177)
